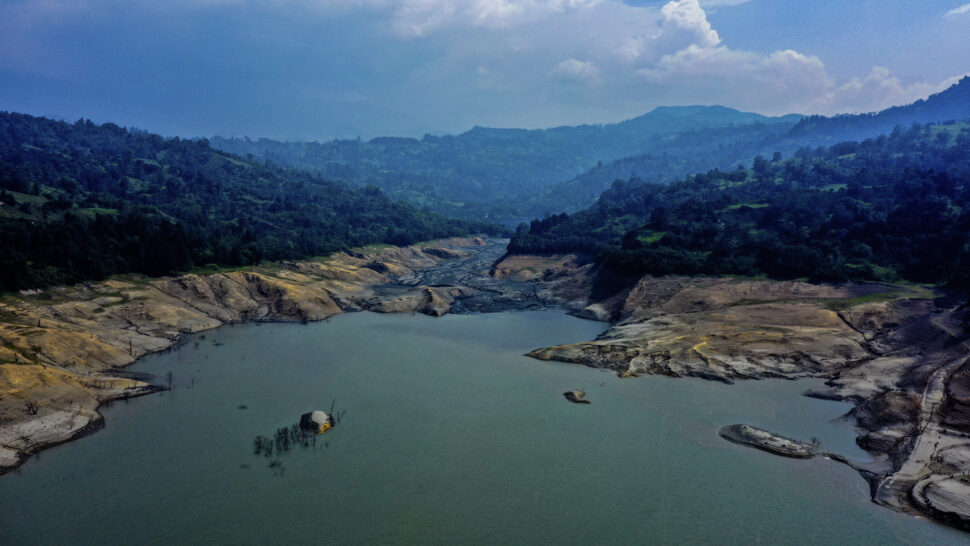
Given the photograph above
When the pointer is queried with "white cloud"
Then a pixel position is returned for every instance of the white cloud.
(961, 10)
(630, 54)
(689, 16)
(782, 82)
(421, 17)
(576, 70)
(878, 90)
(716, 3)
(511, 62)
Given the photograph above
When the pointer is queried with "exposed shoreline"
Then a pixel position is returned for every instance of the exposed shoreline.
(900, 353)
(897, 352)
(63, 357)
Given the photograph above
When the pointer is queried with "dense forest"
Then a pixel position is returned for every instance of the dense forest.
(952, 103)
(507, 175)
(496, 174)
(888, 208)
(672, 156)
(82, 201)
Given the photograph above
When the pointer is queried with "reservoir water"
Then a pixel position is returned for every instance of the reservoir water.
(450, 436)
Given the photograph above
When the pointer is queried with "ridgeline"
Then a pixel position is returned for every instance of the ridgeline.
(83, 201)
(891, 208)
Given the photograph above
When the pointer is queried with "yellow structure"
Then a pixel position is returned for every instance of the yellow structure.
(316, 422)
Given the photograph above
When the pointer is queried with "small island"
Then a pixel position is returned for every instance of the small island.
(769, 441)
(576, 397)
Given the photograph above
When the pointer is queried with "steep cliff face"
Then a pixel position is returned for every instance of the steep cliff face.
(60, 349)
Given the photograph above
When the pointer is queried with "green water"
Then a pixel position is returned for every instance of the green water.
(450, 436)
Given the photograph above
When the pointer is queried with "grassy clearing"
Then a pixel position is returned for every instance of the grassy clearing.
(648, 238)
(94, 211)
(210, 269)
(28, 198)
(842, 304)
(737, 206)
(232, 160)
(376, 246)
(122, 299)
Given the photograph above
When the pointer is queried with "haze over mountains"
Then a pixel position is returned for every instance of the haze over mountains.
(485, 172)
(884, 209)
(97, 196)
(511, 175)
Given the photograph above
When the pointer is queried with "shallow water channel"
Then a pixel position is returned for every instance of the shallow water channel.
(450, 436)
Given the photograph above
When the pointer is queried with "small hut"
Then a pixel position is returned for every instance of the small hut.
(316, 422)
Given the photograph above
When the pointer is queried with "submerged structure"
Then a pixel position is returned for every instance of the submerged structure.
(316, 422)
(576, 397)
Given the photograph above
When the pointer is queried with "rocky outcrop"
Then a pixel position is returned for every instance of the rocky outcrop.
(768, 441)
(544, 268)
(956, 410)
(722, 329)
(889, 421)
(945, 498)
(61, 348)
(576, 397)
(898, 352)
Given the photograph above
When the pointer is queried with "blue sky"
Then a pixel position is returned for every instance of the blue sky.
(318, 69)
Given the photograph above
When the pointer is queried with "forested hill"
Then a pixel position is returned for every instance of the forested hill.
(506, 175)
(677, 155)
(82, 201)
(490, 173)
(892, 207)
(951, 104)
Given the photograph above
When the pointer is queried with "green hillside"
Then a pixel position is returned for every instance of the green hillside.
(82, 201)
(485, 173)
(894, 207)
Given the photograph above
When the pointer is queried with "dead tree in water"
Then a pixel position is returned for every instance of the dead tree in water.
(262, 445)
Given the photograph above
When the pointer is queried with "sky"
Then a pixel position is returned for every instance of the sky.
(321, 69)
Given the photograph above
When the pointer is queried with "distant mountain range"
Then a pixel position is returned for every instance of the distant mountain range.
(489, 173)
(883, 209)
(81, 201)
(676, 155)
(511, 175)
(950, 104)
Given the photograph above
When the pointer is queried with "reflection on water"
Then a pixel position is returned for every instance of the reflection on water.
(449, 436)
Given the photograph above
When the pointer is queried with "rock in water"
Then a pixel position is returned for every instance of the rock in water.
(316, 422)
(576, 397)
(768, 441)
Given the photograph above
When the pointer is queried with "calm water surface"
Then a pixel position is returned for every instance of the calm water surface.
(450, 436)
